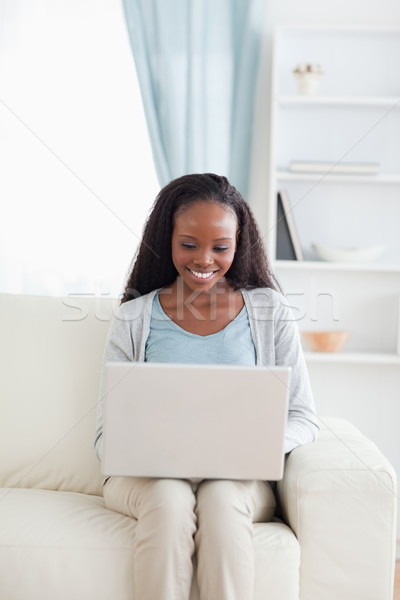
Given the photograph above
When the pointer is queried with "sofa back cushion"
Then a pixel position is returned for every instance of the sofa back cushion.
(51, 353)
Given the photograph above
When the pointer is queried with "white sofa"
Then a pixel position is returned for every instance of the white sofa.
(59, 542)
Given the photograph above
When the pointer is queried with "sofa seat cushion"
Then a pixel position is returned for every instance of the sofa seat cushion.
(62, 545)
(68, 546)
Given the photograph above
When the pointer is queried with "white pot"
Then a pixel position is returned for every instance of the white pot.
(307, 83)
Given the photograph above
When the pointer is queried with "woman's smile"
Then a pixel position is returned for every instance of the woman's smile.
(204, 275)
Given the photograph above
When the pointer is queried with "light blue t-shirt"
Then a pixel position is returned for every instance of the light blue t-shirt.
(167, 342)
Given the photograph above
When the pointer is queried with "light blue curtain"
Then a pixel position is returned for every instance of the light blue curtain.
(197, 63)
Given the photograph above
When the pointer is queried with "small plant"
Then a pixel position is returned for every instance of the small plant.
(307, 76)
(308, 68)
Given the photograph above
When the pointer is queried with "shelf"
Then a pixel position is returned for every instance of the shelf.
(319, 177)
(369, 101)
(319, 265)
(317, 28)
(352, 358)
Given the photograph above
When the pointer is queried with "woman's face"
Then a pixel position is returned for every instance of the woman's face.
(204, 244)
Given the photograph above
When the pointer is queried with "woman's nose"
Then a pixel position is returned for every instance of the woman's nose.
(203, 258)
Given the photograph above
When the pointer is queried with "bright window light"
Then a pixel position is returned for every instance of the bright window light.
(77, 176)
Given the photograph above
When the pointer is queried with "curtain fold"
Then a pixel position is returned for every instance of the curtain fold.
(197, 63)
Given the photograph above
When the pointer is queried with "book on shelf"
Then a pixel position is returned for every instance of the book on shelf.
(340, 168)
(287, 241)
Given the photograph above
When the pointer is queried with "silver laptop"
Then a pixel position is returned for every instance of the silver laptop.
(195, 421)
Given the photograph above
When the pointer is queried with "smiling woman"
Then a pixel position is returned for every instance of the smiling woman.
(200, 292)
(77, 171)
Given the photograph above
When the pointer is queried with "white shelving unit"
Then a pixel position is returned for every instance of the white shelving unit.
(353, 117)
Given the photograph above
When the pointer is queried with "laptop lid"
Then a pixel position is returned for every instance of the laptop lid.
(195, 421)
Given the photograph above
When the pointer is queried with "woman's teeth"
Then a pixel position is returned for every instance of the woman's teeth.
(202, 275)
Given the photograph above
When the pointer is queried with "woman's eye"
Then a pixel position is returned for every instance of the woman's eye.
(189, 246)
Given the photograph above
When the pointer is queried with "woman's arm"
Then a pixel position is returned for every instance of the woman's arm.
(119, 348)
(302, 426)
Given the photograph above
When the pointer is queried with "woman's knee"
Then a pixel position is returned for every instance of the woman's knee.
(172, 498)
(116, 492)
(136, 497)
(223, 499)
(220, 495)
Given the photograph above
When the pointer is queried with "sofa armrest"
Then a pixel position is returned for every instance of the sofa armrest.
(339, 497)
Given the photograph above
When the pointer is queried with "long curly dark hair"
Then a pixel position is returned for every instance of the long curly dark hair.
(153, 267)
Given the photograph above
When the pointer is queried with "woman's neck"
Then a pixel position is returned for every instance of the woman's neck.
(201, 313)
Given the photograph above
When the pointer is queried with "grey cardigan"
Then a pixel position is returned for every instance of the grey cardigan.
(276, 340)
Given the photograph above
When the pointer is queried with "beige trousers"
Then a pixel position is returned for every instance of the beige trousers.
(174, 522)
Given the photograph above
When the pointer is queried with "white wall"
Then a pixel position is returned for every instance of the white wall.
(278, 12)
